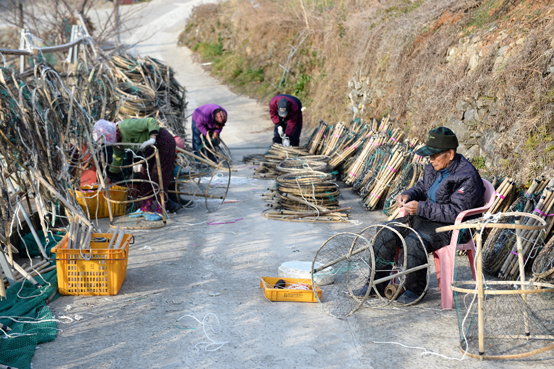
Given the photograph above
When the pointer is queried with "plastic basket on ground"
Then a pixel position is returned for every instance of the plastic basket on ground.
(295, 289)
(97, 206)
(94, 271)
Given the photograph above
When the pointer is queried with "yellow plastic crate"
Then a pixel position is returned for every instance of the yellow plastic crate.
(97, 205)
(277, 294)
(103, 274)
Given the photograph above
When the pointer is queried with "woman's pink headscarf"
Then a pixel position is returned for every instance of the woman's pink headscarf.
(106, 129)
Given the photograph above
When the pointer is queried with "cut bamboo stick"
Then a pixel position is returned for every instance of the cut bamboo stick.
(119, 240)
(114, 236)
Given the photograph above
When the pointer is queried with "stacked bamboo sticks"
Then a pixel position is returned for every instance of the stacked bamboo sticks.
(357, 166)
(406, 179)
(306, 196)
(276, 154)
(25, 272)
(373, 165)
(386, 176)
(341, 155)
(510, 268)
(331, 144)
(503, 195)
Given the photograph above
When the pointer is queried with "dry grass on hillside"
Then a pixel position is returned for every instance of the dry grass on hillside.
(401, 45)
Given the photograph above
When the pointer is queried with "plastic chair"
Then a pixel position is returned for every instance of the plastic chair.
(445, 257)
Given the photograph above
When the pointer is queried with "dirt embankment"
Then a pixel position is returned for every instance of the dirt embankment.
(485, 68)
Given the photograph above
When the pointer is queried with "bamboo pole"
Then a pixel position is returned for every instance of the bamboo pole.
(480, 294)
(53, 191)
(33, 231)
(162, 191)
(522, 277)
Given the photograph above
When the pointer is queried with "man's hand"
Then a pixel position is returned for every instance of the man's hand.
(411, 207)
(401, 200)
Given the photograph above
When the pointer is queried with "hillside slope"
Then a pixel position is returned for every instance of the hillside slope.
(482, 67)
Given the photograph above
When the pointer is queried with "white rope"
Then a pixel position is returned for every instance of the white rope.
(425, 351)
(217, 344)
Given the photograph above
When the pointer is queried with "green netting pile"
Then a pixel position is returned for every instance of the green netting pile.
(29, 242)
(30, 320)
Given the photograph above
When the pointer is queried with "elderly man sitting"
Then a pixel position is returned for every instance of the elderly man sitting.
(450, 185)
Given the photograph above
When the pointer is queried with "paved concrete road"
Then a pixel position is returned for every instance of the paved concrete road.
(191, 268)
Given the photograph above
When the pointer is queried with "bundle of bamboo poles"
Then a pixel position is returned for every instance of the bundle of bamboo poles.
(373, 165)
(341, 155)
(357, 166)
(396, 136)
(510, 269)
(503, 195)
(405, 180)
(317, 145)
(386, 176)
(333, 141)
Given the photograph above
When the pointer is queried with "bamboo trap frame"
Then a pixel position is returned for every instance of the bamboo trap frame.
(510, 322)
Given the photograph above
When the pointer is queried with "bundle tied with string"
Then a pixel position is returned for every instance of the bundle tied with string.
(334, 139)
(305, 196)
(325, 137)
(371, 168)
(316, 139)
(316, 163)
(276, 154)
(369, 146)
(499, 251)
(340, 156)
(386, 175)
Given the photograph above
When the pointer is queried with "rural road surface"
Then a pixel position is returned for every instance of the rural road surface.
(190, 269)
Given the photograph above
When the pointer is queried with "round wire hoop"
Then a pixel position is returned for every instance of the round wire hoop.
(397, 269)
(333, 259)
